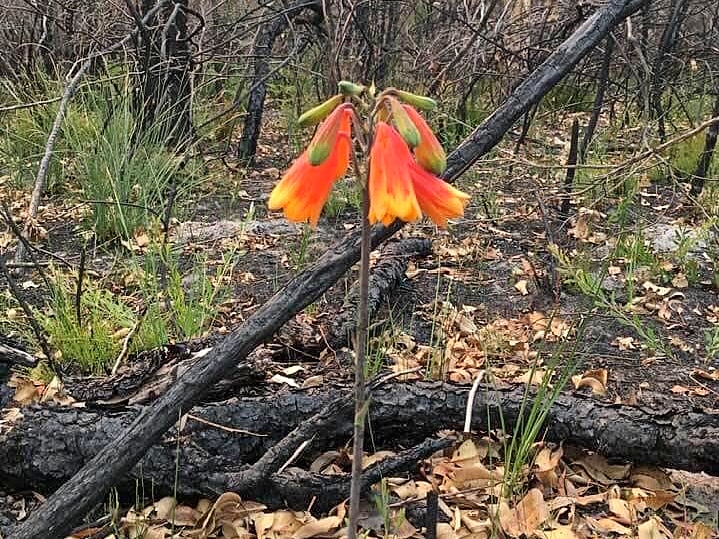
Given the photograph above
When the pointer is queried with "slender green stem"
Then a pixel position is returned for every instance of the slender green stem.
(359, 386)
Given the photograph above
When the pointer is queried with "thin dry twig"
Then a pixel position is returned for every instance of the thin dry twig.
(223, 427)
(126, 341)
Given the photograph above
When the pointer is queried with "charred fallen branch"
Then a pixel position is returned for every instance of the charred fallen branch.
(240, 444)
(386, 276)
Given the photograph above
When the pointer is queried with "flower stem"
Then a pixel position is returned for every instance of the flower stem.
(360, 394)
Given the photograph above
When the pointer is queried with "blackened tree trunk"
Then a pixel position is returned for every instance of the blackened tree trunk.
(705, 158)
(599, 98)
(666, 45)
(571, 168)
(163, 95)
(260, 72)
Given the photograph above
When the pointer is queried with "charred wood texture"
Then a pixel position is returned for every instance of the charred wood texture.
(666, 45)
(220, 442)
(12, 354)
(77, 496)
(386, 276)
(260, 70)
(705, 158)
(163, 96)
(571, 167)
(603, 80)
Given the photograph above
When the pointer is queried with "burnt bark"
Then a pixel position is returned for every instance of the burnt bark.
(61, 511)
(386, 276)
(163, 95)
(571, 168)
(602, 81)
(11, 354)
(261, 53)
(705, 158)
(666, 44)
(49, 444)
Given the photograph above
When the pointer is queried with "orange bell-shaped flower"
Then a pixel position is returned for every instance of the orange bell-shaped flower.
(304, 189)
(438, 200)
(429, 151)
(390, 186)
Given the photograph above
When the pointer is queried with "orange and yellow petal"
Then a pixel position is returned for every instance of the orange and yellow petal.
(438, 200)
(390, 185)
(304, 189)
(429, 152)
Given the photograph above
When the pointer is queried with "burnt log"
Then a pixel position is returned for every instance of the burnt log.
(219, 443)
(163, 92)
(385, 278)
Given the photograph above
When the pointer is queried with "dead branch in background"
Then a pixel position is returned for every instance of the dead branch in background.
(705, 158)
(603, 79)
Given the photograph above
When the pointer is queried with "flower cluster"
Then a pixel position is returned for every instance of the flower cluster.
(405, 158)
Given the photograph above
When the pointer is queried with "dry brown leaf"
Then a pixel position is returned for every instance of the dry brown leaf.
(405, 530)
(467, 453)
(562, 532)
(318, 527)
(624, 343)
(324, 460)
(369, 460)
(521, 286)
(534, 378)
(445, 531)
(476, 475)
(279, 379)
(652, 529)
(608, 525)
(601, 471)
(313, 381)
(712, 374)
(412, 489)
(163, 507)
(548, 458)
(658, 290)
(263, 522)
(650, 478)
(596, 380)
(658, 499)
(526, 517)
(699, 530)
(185, 515)
(28, 390)
(558, 502)
(621, 510)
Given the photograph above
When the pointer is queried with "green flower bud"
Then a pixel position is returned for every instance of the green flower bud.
(419, 101)
(320, 112)
(350, 88)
